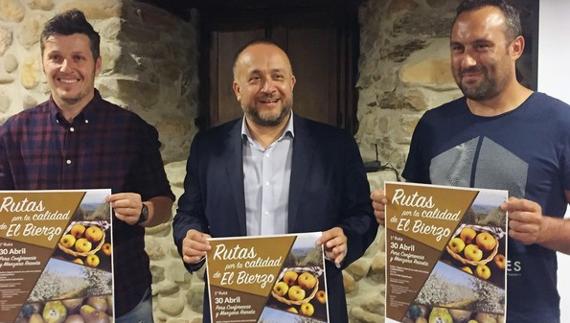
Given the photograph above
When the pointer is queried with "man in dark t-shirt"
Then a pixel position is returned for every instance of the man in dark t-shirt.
(525, 151)
(501, 135)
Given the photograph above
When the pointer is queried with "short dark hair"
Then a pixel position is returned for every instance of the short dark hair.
(261, 41)
(510, 11)
(68, 23)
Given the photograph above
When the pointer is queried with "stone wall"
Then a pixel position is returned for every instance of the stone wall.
(150, 66)
(149, 63)
(404, 70)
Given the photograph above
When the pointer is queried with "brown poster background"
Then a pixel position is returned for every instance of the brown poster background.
(36, 276)
(421, 220)
(267, 278)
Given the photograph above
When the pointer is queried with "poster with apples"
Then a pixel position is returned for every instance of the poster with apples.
(267, 279)
(55, 256)
(446, 253)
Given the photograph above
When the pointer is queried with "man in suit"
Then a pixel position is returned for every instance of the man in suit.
(273, 172)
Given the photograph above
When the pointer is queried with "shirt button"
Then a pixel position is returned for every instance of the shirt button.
(266, 213)
(86, 121)
(72, 129)
(68, 161)
(267, 183)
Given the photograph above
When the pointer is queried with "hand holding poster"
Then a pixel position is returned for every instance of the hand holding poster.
(55, 256)
(446, 254)
(276, 279)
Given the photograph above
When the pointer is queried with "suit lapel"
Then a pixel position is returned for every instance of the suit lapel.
(234, 170)
(303, 149)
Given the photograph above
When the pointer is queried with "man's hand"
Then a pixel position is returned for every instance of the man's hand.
(379, 201)
(194, 246)
(526, 222)
(335, 243)
(127, 206)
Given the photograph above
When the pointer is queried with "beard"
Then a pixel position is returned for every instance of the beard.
(70, 95)
(268, 119)
(72, 100)
(487, 88)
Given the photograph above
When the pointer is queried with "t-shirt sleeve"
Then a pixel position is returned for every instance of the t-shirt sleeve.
(417, 163)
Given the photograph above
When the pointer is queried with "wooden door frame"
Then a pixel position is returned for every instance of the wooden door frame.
(217, 18)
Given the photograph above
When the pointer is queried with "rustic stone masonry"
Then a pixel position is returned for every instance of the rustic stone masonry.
(404, 70)
(149, 63)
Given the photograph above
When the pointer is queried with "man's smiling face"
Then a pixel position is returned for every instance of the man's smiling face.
(263, 84)
(70, 69)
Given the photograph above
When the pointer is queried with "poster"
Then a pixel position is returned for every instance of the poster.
(55, 256)
(446, 253)
(267, 279)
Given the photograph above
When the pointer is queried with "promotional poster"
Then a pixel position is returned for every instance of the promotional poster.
(267, 279)
(55, 256)
(446, 251)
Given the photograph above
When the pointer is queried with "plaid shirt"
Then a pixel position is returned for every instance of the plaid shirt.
(104, 147)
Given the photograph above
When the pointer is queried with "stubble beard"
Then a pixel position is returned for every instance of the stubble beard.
(87, 85)
(73, 100)
(486, 89)
(270, 120)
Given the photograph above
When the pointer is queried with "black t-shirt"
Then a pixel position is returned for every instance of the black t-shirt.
(525, 151)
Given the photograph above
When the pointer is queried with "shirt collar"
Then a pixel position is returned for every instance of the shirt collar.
(86, 114)
(289, 130)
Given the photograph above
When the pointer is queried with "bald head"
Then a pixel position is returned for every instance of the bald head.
(244, 55)
(263, 84)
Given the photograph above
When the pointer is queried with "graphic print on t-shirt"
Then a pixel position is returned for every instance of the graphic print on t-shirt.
(483, 163)
(474, 163)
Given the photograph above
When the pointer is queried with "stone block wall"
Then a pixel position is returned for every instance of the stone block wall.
(149, 63)
(150, 66)
(404, 70)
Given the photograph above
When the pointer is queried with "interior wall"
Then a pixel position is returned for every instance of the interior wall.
(553, 71)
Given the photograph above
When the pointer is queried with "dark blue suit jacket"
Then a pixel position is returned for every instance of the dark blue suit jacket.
(328, 188)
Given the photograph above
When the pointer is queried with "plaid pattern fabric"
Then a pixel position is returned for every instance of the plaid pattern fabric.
(104, 147)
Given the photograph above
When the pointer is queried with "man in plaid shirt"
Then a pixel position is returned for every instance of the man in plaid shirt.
(77, 140)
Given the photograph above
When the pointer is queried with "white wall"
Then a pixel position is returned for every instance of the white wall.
(553, 73)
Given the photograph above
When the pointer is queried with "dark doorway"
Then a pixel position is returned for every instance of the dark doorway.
(322, 40)
(527, 65)
(320, 37)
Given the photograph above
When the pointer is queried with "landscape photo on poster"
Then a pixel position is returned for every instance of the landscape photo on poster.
(446, 250)
(56, 256)
(279, 278)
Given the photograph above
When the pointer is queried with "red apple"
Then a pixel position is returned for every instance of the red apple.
(94, 233)
(290, 277)
(307, 280)
(467, 234)
(486, 241)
